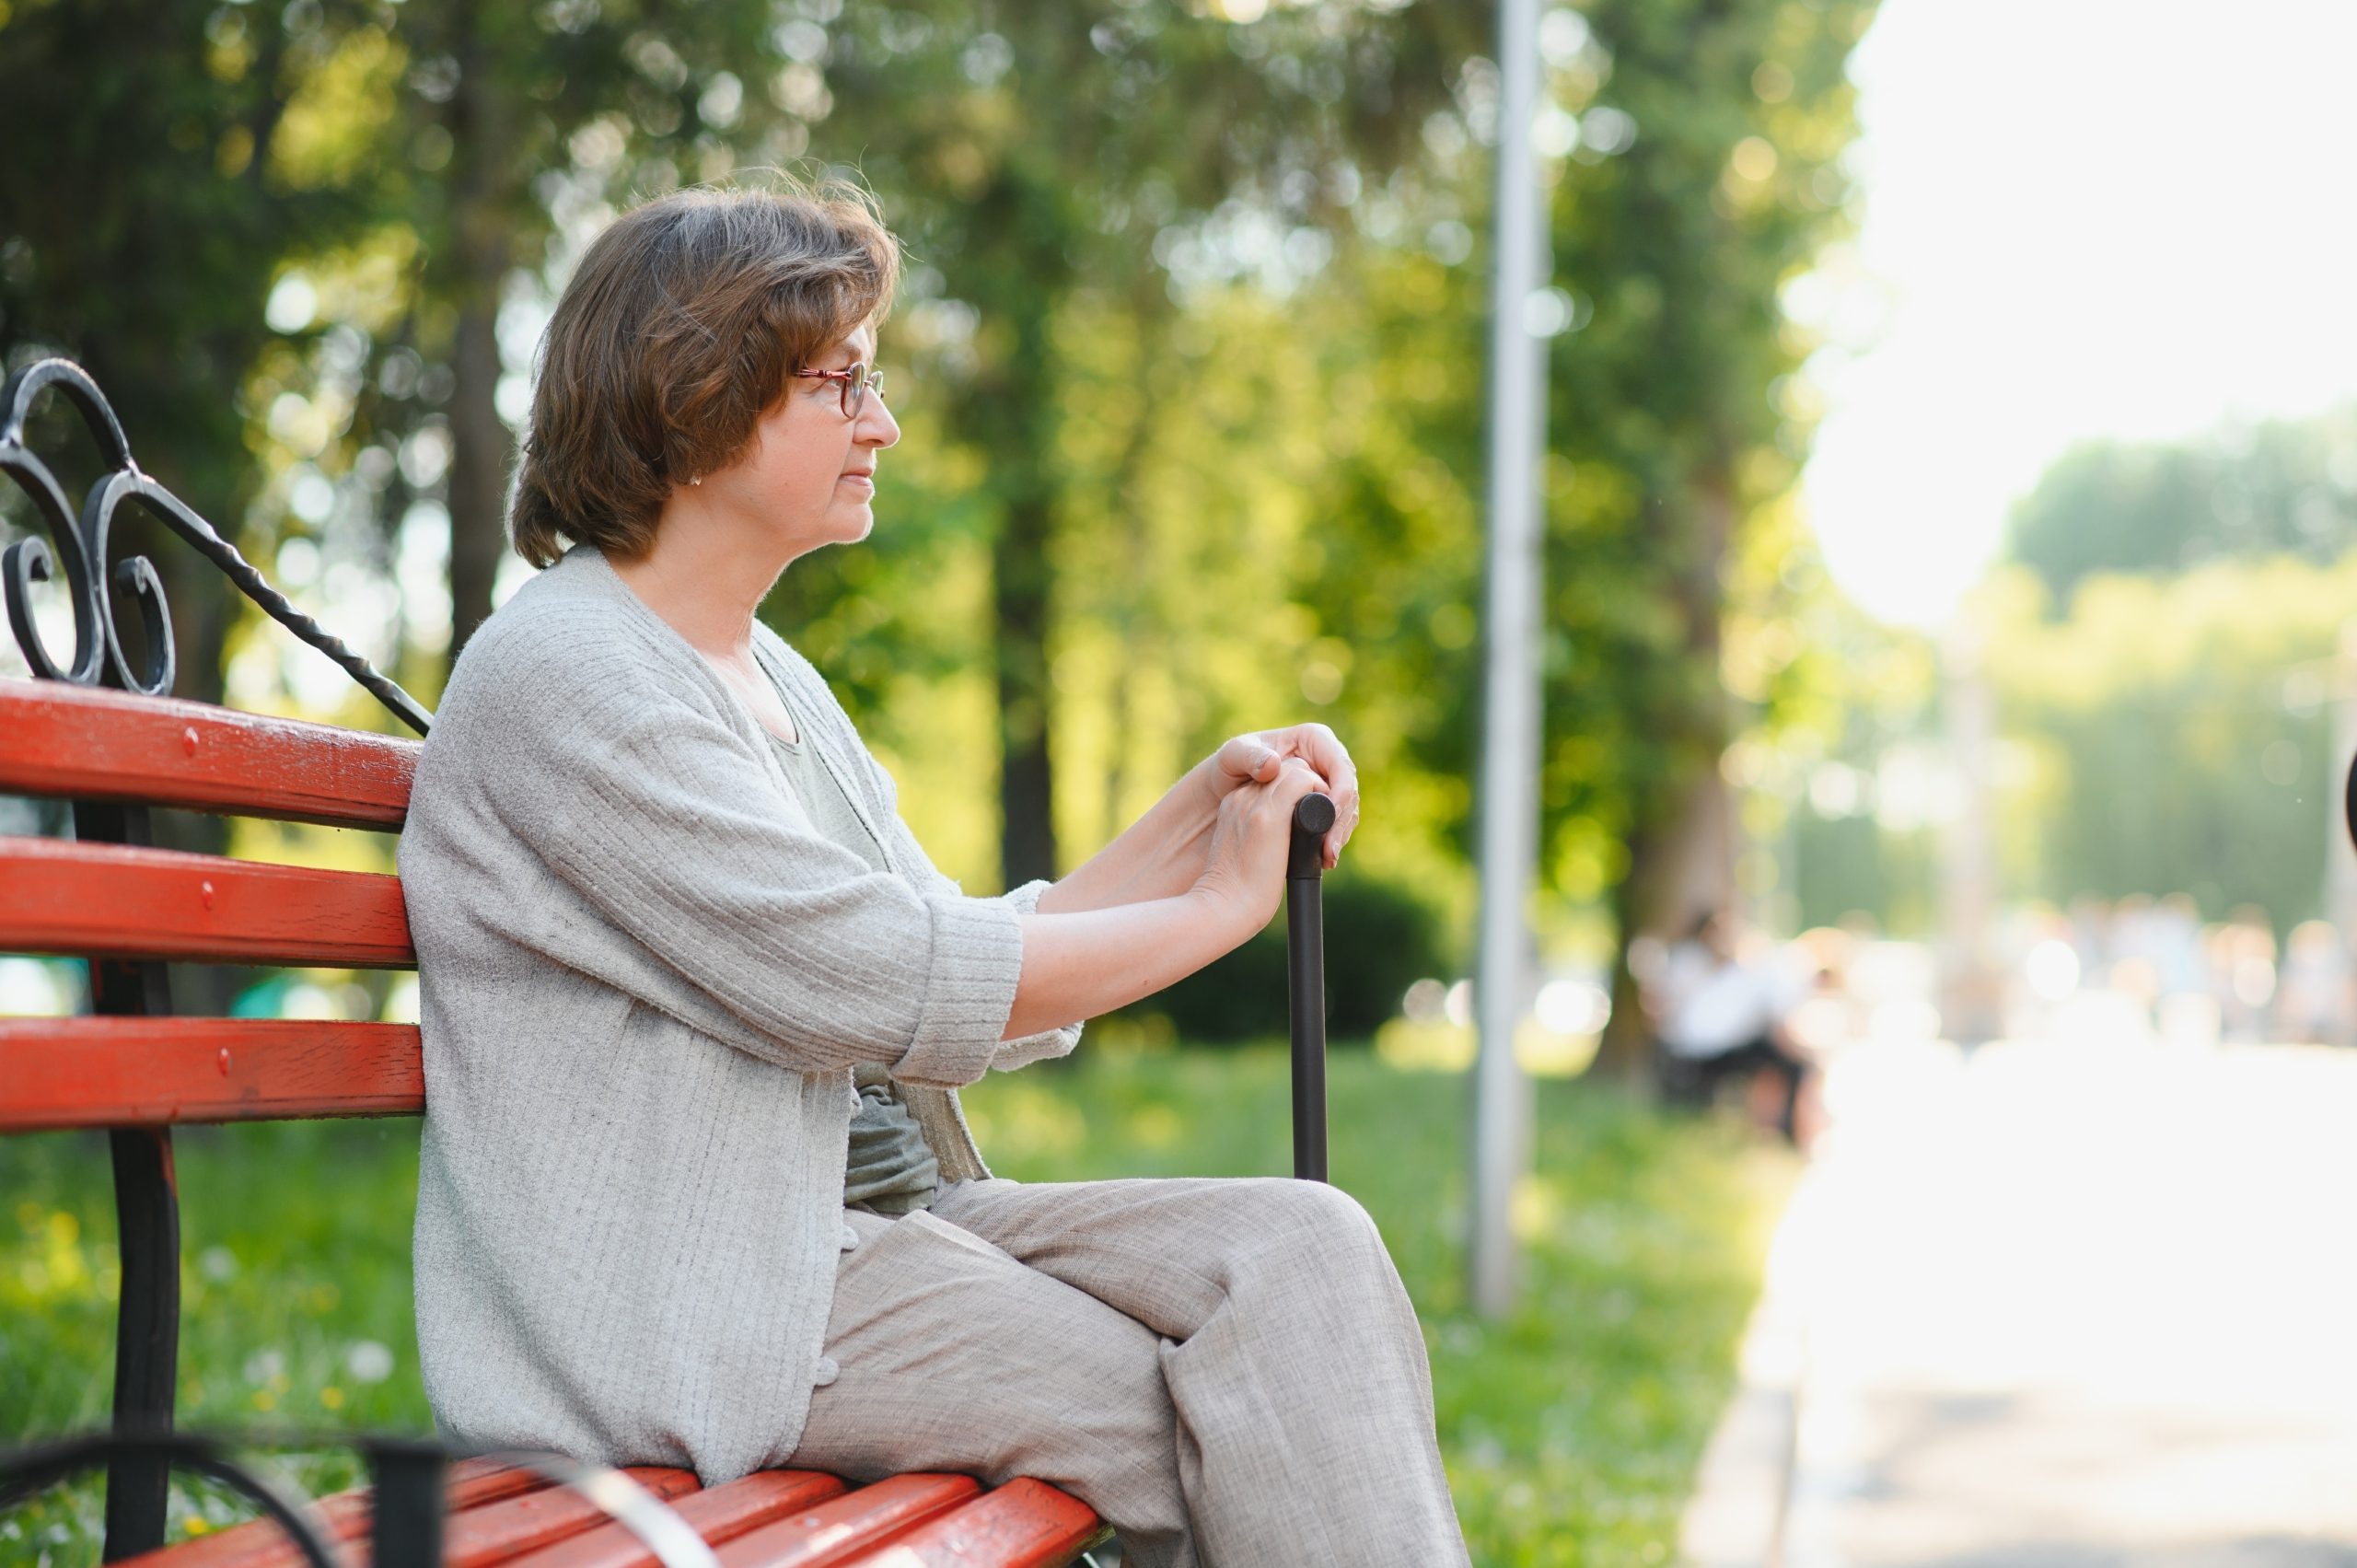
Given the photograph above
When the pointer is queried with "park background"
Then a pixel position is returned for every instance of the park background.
(1951, 459)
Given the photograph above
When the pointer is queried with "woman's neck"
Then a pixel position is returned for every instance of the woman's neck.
(706, 584)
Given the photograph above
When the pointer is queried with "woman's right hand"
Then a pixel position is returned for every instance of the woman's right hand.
(1078, 963)
(1251, 840)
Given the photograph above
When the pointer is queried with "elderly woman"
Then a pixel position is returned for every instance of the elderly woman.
(695, 1189)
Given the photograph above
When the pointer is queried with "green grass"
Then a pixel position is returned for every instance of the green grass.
(1570, 1430)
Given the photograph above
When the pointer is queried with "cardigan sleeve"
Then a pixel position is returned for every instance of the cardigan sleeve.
(664, 821)
(885, 795)
(1025, 899)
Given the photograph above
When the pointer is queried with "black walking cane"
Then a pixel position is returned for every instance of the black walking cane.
(1306, 960)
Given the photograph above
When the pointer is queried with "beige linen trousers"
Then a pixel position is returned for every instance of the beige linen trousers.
(1228, 1371)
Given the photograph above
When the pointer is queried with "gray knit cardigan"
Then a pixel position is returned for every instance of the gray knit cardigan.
(644, 978)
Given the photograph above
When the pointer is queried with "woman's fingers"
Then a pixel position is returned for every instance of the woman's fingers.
(1323, 750)
(1248, 759)
(1261, 758)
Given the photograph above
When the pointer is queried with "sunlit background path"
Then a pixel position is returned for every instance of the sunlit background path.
(2061, 1305)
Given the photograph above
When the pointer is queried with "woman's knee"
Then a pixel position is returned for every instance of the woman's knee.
(1308, 1221)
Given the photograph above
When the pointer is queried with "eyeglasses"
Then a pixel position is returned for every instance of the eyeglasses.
(857, 382)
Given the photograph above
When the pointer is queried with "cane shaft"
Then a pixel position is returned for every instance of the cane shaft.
(1306, 973)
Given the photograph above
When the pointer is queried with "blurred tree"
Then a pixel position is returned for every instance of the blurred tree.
(403, 161)
(1127, 149)
(140, 229)
(2286, 486)
(1193, 317)
(492, 125)
(515, 118)
(2172, 734)
(1704, 174)
(139, 223)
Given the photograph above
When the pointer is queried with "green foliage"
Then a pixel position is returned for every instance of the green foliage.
(2161, 733)
(1832, 798)
(1571, 1432)
(2170, 734)
(1677, 406)
(2282, 488)
(1380, 938)
(295, 1313)
(1189, 361)
(141, 234)
(1070, 175)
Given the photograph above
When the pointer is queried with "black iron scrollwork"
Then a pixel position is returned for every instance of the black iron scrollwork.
(31, 1470)
(406, 1511)
(80, 549)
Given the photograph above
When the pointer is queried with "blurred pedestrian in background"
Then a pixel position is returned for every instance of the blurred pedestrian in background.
(1720, 1015)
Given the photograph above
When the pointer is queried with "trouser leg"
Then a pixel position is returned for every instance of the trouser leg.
(950, 1355)
(1293, 1360)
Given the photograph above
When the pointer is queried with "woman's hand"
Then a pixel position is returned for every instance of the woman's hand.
(1085, 955)
(1164, 853)
(1251, 841)
(1259, 756)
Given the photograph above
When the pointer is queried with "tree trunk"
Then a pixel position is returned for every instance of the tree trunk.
(1682, 854)
(480, 238)
(1009, 412)
(479, 446)
(1138, 620)
(1019, 593)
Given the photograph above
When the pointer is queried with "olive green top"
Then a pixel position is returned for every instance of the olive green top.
(890, 1168)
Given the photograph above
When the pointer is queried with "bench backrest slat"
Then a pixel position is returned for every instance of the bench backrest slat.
(156, 1071)
(99, 745)
(110, 901)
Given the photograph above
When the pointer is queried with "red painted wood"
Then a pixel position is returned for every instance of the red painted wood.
(720, 1514)
(155, 1072)
(101, 744)
(474, 1483)
(842, 1530)
(498, 1531)
(1025, 1524)
(111, 901)
(261, 1544)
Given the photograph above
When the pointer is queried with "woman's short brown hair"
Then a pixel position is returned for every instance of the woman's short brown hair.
(681, 326)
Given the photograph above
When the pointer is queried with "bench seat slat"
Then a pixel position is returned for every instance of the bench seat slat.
(92, 744)
(846, 1528)
(721, 1514)
(161, 1072)
(1025, 1524)
(112, 900)
(259, 1543)
(482, 1537)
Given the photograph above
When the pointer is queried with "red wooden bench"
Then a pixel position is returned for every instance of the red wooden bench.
(137, 1071)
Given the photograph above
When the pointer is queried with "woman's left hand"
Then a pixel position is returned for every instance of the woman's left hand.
(1258, 757)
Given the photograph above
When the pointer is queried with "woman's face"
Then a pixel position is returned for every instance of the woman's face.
(809, 472)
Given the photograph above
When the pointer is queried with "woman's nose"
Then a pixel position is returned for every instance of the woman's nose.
(875, 427)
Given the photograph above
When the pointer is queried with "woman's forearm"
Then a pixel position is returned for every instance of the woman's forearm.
(1078, 964)
(1158, 856)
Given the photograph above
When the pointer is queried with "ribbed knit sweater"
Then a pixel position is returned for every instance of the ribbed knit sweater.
(644, 978)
